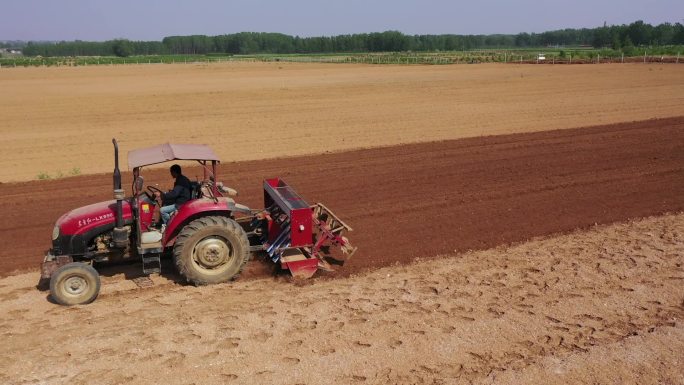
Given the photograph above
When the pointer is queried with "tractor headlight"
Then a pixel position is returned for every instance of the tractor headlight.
(55, 233)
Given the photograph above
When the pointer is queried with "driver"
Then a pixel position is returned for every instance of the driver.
(180, 194)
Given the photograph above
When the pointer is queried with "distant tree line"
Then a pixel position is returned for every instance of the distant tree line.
(638, 34)
(616, 37)
(119, 47)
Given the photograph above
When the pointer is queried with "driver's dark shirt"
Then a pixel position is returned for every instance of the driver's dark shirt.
(181, 192)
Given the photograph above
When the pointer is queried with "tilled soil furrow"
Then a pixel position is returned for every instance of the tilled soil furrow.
(423, 200)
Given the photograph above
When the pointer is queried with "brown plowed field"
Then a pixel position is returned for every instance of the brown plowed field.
(53, 120)
(422, 200)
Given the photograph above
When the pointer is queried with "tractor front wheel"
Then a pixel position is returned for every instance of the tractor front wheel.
(211, 250)
(74, 284)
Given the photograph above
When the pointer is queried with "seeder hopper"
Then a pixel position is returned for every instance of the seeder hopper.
(296, 234)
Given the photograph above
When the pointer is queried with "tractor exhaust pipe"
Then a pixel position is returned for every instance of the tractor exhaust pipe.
(120, 234)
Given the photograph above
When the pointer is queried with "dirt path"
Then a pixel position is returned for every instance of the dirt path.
(599, 306)
(57, 119)
(427, 199)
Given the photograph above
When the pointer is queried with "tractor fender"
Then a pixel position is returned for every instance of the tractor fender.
(199, 208)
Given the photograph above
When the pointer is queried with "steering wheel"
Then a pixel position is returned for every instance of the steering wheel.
(150, 192)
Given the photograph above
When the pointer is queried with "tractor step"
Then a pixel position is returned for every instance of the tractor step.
(151, 264)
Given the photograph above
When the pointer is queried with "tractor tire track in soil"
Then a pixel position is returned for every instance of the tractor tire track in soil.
(423, 200)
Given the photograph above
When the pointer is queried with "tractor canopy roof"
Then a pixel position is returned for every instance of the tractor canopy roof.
(166, 152)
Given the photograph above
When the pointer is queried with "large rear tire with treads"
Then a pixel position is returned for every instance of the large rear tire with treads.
(211, 250)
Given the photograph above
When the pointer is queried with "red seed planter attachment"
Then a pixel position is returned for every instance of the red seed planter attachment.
(298, 235)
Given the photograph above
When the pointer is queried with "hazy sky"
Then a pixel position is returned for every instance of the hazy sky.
(154, 19)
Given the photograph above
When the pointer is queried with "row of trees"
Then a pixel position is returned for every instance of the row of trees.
(616, 37)
(119, 47)
(12, 44)
(638, 34)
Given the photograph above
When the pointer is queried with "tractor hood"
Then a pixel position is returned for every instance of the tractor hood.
(86, 218)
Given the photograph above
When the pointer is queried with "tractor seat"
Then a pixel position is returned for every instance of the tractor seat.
(153, 236)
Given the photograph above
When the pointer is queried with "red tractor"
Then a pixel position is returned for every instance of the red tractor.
(211, 237)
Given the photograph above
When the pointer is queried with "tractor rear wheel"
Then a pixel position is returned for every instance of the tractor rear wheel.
(75, 284)
(211, 250)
